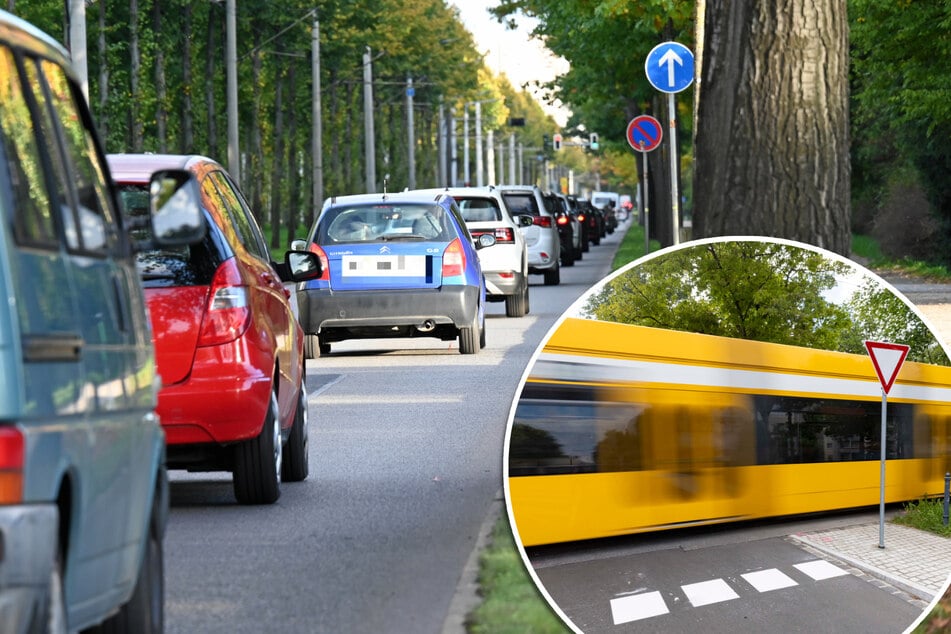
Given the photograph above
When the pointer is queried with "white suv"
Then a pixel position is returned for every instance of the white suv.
(544, 245)
(505, 264)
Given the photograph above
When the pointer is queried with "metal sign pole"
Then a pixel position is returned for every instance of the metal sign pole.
(881, 497)
(647, 224)
(674, 194)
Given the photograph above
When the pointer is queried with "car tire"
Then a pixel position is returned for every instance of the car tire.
(257, 462)
(295, 465)
(144, 612)
(515, 305)
(553, 276)
(469, 336)
(311, 347)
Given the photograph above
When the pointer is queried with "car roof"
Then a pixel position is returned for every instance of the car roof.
(419, 196)
(20, 33)
(486, 191)
(140, 167)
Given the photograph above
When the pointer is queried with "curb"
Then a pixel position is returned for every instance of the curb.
(466, 597)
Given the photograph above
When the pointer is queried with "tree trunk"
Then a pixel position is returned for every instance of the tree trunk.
(103, 115)
(276, 214)
(211, 60)
(252, 177)
(772, 141)
(294, 204)
(135, 66)
(161, 107)
(188, 121)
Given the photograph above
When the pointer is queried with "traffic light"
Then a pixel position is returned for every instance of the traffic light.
(593, 141)
(556, 142)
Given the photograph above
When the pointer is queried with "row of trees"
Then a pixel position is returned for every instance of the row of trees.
(157, 83)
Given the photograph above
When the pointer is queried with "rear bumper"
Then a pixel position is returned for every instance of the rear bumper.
(29, 538)
(502, 283)
(322, 309)
(223, 399)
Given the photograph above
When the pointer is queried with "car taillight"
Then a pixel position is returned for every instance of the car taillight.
(324, 262)
(562, 220)
(227, 314)
(453, 260)
(11, 465)
(504, 234)
(542, 221)
(580, 217)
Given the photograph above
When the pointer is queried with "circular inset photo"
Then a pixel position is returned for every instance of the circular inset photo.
(737, 434)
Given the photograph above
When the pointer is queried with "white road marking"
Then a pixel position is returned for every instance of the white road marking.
(821, 569)
(638, 606)
(766, 580)
(707, 592)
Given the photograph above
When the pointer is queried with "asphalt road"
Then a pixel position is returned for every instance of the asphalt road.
(406, 441)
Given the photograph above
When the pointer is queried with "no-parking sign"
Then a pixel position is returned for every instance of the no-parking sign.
(644, 133)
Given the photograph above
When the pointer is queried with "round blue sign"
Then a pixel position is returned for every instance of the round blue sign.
(669, 67)
(644, 133)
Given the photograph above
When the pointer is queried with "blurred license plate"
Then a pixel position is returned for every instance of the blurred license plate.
(383, 265)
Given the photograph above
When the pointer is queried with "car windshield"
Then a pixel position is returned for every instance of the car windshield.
(479, 209)
(384, 222)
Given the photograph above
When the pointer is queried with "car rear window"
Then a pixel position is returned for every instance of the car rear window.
(384, 222)
(479, 209)
(192, 265)
(519, 203)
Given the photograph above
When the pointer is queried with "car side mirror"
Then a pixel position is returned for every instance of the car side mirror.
(175, 208)
(298, 245)
(525, 220)
(303, 265)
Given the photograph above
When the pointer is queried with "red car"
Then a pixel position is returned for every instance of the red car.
(229, 348)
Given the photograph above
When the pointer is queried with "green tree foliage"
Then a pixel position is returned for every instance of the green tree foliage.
(901, 97)
(763, 291)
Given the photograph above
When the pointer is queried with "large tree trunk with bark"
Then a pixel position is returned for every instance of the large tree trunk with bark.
(772, 130)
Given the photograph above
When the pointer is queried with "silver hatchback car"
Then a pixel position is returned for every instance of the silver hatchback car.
(544, 245)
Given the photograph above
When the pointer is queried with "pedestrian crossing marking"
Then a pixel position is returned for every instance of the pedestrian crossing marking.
(636, 607)
(820, 569)
(707, 592)
(767, 580)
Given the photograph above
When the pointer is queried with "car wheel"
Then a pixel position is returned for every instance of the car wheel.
(553, 276)
(257, 464)
(295, 466)
(469, 336)
(515, 304)
(311, 347)
(145, 611)
(482, 333)
(527, 306)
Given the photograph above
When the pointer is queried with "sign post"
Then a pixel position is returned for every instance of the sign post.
(669, 68)
(887, 359)
(644, 134)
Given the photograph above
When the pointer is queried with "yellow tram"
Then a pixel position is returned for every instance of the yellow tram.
(623, 429)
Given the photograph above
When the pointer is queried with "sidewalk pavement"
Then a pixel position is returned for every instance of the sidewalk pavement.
(913, 560)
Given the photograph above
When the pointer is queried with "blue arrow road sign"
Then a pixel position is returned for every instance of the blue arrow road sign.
(669, 67)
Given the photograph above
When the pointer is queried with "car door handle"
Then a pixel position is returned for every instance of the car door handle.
(52, 346)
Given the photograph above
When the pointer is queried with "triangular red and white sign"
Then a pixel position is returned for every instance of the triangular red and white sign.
(887, 359)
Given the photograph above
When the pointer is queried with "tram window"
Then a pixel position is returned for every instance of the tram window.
(556, 437)
(798, 430)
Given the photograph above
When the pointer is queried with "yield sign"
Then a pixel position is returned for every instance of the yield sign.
(887, 359)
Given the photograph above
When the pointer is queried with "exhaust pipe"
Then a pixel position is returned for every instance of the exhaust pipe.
(427, 326)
